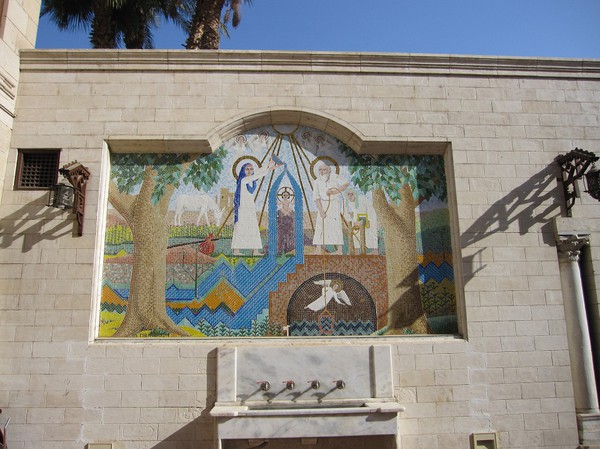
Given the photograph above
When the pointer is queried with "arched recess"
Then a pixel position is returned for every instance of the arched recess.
(335, 126)
(288, 116)
(247, 121)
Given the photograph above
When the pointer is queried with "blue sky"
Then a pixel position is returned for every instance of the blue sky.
(544, 28)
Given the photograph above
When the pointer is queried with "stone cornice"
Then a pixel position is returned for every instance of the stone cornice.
(319, 62)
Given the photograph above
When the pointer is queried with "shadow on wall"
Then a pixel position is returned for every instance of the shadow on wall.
(199, 432)
(532, 204)
(407, 310)
(34, 223)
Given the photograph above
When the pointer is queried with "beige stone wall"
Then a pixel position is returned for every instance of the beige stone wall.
(18, 30)
(504, 120)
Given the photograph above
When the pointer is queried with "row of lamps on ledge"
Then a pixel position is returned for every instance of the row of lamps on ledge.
(574, 165)
(69, 193)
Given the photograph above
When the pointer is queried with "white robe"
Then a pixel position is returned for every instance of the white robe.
(364, 208)
(327, 295)
(246, 234)
(332, 224)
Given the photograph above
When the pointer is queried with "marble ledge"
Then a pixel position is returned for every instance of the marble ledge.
(231, 411)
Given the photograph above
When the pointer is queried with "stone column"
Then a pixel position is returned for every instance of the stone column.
(580, 348)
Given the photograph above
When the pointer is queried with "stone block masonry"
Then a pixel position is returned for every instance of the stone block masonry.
(500, 122)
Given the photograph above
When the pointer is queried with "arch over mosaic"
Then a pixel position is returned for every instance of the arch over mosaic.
(282, 231)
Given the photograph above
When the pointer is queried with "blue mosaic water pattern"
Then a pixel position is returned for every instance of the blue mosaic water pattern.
(174, 293)
(123, 292)
(255, 301)
(248, 312)
(432, 271)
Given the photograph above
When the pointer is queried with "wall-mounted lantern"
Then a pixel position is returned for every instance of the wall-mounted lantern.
(62, 196)
(593, 182)
(71, 194)
(573, 166)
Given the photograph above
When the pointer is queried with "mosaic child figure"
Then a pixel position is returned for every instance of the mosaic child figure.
(285, 222)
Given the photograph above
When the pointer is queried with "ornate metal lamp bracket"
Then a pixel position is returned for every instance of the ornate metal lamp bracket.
(77, 175)
(573, 165)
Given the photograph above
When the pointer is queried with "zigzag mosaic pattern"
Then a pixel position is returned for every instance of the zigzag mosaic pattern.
(340, 327)
(433, 271)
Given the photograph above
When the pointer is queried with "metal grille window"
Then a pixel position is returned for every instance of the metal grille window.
(37, 169)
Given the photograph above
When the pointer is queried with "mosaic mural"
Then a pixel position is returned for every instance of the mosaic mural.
(282, 231)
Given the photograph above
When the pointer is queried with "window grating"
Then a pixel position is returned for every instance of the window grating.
(37, 169)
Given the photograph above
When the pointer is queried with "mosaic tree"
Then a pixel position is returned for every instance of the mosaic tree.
(140, 189)
(399, 183)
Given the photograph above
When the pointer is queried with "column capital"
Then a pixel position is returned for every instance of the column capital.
(569, 246)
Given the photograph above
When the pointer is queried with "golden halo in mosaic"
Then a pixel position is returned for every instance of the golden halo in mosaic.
(337, 285)
(237, 162)
(283, 191)
(323, 158)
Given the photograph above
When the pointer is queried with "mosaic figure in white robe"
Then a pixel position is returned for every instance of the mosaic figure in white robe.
(327, 191)
(246, 233)
(332, 289)
(360, 210)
